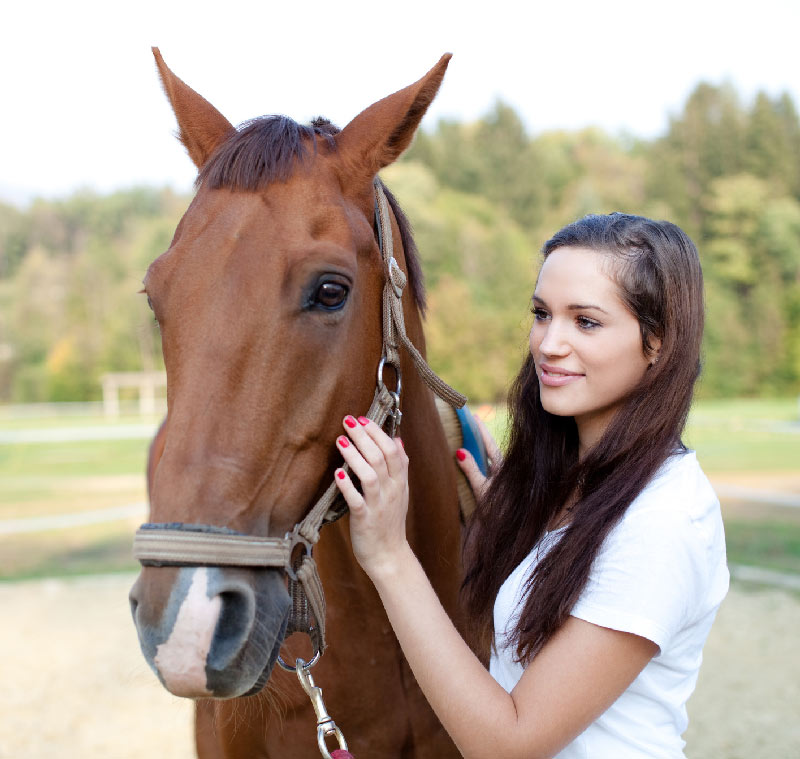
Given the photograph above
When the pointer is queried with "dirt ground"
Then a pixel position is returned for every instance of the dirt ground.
(73, 684)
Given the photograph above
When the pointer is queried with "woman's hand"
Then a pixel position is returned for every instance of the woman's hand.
(378, 517)
(478, 482)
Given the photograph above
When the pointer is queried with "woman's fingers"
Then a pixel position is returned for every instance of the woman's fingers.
(394, 454)
(359, 466)
(472, 472)
(379, 450)
(492, 449)
(354, 499)
(367, 447)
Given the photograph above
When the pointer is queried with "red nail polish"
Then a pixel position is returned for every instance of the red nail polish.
(461, 454)
(402, 444)
(363, 421)
(349, 421)
(343, 441)
(340, 474)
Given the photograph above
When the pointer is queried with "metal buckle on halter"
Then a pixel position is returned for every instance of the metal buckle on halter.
(395, 415)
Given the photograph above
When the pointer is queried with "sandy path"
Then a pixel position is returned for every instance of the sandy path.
(74, 685)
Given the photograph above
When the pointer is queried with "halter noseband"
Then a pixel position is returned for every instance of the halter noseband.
(178, 544)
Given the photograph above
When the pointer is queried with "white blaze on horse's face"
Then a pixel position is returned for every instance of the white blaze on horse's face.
(181, 660)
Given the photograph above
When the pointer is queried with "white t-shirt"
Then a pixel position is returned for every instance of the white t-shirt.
(661, 573)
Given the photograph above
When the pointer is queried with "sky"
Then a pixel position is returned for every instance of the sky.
(82, 108)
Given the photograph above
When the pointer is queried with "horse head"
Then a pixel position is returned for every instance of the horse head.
(269, 305)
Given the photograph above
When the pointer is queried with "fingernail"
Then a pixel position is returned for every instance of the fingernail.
(363, 421)
(340, 474)
(343, 441)
(401, 443)
(461, 454)
(349, 421)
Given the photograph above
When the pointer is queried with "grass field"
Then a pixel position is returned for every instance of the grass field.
(760, 438)
(753, 435)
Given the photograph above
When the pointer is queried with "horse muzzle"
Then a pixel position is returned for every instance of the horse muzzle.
(210, 632)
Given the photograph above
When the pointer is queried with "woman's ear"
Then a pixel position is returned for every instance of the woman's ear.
(654, 352)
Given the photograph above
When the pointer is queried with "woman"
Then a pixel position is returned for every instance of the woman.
(595, 562)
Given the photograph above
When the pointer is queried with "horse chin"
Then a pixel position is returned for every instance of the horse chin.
(220, 632)
(267, 671)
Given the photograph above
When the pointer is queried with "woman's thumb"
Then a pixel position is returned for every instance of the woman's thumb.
(471, 471)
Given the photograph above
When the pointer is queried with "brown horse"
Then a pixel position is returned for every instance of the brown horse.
(269, 304)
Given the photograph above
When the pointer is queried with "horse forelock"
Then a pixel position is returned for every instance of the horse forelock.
(268, 149)
(263, 150)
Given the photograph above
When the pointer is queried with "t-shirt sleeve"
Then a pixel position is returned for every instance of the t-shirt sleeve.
(647, 577)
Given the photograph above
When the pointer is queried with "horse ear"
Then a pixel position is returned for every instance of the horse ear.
(378, 135)
(202, 127)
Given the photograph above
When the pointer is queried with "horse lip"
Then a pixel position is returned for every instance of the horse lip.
(270, 665)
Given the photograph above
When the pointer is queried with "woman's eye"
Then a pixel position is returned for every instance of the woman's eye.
(585, 323)
(540, 314)
(331, 295)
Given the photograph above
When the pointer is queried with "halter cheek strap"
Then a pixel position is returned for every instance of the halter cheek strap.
(171, 544)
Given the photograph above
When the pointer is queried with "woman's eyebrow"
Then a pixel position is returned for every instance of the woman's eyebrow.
(584, 307)
(571, 306)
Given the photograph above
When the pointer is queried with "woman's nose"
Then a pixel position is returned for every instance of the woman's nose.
(553, 340)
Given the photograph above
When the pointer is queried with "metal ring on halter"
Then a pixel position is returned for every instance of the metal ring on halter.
(301, 662)
(396, 288)
(297, 540)
(397, 372)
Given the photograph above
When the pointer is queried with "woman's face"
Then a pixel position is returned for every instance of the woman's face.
(585, 343)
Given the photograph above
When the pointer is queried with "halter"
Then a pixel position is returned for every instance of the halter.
(179, 544)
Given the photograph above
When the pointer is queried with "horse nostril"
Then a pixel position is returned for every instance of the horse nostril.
(236, 618)
(133, 599)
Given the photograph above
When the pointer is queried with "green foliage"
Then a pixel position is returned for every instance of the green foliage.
(69, 303)
(480, 275)
(483, 197)
(752, 265)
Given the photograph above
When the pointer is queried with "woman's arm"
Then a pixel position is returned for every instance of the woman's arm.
(582, 670)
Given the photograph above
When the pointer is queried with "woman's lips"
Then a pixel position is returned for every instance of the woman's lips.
(555, 376)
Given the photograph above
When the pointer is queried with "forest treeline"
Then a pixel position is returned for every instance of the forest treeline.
(483, 197)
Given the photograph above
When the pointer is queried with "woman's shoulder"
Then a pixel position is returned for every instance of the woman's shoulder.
(679, 487)
(677, 506)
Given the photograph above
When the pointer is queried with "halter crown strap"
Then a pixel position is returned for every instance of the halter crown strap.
(194, 545)
(394, 328)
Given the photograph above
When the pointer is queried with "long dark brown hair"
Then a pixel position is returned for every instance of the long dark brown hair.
(657, 270)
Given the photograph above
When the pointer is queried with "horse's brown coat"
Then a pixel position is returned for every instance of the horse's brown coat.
(257, 389)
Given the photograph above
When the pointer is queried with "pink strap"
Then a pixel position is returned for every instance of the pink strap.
(340, 753)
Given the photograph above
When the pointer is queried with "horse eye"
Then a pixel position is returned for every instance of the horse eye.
(150, 303)
(331, 295)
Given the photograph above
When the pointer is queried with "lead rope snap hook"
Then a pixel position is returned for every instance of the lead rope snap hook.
(325, 724)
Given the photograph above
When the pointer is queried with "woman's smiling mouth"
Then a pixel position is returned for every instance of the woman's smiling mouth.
(556, 376)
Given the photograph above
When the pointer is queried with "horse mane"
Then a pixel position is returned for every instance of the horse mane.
(268, 148)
